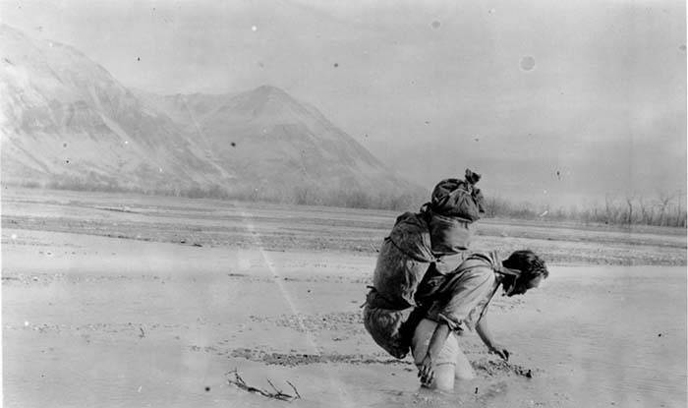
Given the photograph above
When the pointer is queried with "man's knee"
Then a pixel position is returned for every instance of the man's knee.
(464, 369)
(444, 378)
(463, 374)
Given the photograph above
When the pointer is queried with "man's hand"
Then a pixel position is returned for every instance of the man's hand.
(486, 337)
(500, 351)
(426, 371)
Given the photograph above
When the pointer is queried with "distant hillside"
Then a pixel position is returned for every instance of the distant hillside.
(276, 142)
(68, 123)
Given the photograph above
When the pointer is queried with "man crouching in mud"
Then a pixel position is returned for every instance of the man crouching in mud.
(458, 300)
(443, 305)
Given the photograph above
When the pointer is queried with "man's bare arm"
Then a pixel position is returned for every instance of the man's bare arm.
(486, 336)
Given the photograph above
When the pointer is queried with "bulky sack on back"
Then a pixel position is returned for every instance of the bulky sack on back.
(449, 235)
(404, 258)
(459, 198)
(412, 236)
(387, 326)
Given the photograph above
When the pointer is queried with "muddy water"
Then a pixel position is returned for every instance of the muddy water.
(610, 336)
(598, 336)
(90, 321)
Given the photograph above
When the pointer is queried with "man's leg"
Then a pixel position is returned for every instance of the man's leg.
(457, 293)
(464, 369)
(446, 361)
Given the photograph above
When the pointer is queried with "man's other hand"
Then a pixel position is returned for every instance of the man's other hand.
(500, 351)
(426, 371)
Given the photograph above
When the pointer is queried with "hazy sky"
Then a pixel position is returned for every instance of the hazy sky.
(545, 98)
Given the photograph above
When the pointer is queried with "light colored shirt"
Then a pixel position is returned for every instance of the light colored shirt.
(466, 293)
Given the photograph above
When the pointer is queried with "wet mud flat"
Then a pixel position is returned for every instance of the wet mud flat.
(92, 320)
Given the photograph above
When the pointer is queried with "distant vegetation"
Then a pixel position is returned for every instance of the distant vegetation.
(354, 198)
(662, 210)
(304, 196)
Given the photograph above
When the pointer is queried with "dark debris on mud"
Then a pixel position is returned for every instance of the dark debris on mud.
(491, 368)
(484, 368)
(298, 359)
(350, 322)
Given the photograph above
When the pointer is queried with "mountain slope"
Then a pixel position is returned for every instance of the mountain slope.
(66, 119)
(275, 141)
(66, 122)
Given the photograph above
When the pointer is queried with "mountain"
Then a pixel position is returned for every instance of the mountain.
(270, 138)
(66, 122)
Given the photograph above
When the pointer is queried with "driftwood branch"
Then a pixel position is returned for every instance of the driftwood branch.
(295, 390)
(277, 394)
(277, 390)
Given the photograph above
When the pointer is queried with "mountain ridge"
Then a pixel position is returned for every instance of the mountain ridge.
(69, 123)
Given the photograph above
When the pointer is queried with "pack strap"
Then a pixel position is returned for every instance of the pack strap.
(503, 271)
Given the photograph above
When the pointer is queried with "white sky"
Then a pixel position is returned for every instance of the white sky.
(430, 87)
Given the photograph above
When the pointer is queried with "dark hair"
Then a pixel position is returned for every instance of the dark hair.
(530, 265)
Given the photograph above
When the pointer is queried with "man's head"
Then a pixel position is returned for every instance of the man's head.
(532, 271)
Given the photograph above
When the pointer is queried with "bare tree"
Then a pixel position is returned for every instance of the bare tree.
(629, 202)
(646, 211)
(664, 200)
(608, 208)
(680, 221)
